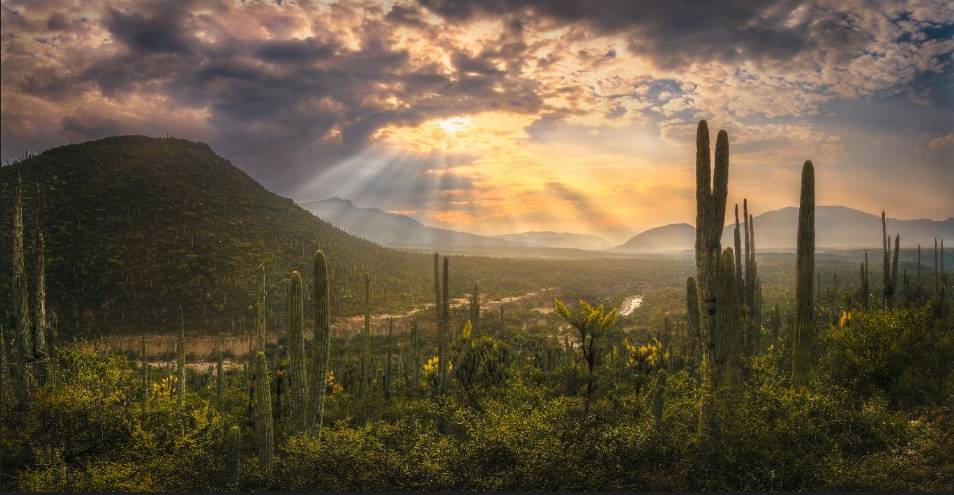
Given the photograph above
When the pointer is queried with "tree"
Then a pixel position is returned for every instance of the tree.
(592, 323)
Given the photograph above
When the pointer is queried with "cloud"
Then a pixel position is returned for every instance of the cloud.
(293, 91)
(940, 142)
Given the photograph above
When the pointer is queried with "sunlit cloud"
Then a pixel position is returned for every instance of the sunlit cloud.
(503, 116)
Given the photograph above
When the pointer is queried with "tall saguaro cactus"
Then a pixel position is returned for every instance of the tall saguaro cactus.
(442, 365)
(692, 315)
(475, 307)
(21, 301)
(387, 363)
(322, 337)
(364, 386)
(260, 310)
(40, 323)
(890, 275)
(865, 283)
(727, 347)
(415, 352)
(298, 377)
(804, 341)
(264, 436)
(711, 191)
(180, 358)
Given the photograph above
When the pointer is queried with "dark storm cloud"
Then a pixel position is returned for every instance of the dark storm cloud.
(273, 102)
(295, 51)
(288, 90)
(161, 30)
(672, 33)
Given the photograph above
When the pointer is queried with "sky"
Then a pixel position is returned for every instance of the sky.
(507, 116)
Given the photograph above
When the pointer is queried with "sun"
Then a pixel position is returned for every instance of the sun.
(454, 125)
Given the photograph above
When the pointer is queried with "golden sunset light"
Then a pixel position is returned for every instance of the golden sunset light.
(422, 246)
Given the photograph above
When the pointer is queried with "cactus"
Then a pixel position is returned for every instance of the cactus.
(298, 377)
(659, 399)
(415, 357)
(776, 322)
(365, 379)
(711, 192)
(739, 278)
(233, 450)
(264, 439)
(727, 347)
(260, 310)
(445, 327)
(865, 283)
(219, 374)
(753, 286)
(322, 337)
(890, 275)
(692, 315)
(475, 307)
(804, 341)
(21, 303)
(388, 359)
(143, 365)
(4, 372)
(40, 325)
(180, 358)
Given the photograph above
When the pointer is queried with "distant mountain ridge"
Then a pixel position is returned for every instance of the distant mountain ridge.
(553, 239)
(672, 237)
(400, 231)
(390, 229)
(836, 227)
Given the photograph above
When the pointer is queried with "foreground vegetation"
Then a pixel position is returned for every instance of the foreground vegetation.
(847, 386)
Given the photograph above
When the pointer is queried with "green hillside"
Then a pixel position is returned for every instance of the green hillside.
(136, 226)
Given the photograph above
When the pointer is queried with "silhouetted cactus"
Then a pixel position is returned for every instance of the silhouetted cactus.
(475, 307)
(739, 277)
(776, 323)
(415, 356)
(711, 192)
(365, 378)
(659, 399)
(260, 310)
(40, 328)
(264, 436)
(180, 358)
(219, 373)
(233, 452)
(727, 347)
(804, 341)
(322, 337)
(298, 375)
(693, 317)
(21, 300)
(388, 359)
(865, 289)
(890, 275)
(445, 327)
(4, 372)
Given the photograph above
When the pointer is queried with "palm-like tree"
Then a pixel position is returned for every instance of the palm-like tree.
(592, 323)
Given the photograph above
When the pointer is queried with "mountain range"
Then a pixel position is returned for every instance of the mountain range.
(836, 227)
(400, 231)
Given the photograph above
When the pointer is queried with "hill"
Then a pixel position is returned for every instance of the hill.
(556, 239)
(836, 227)
(673, 237)
(136, 226)
(842, 227)
(390, 229)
